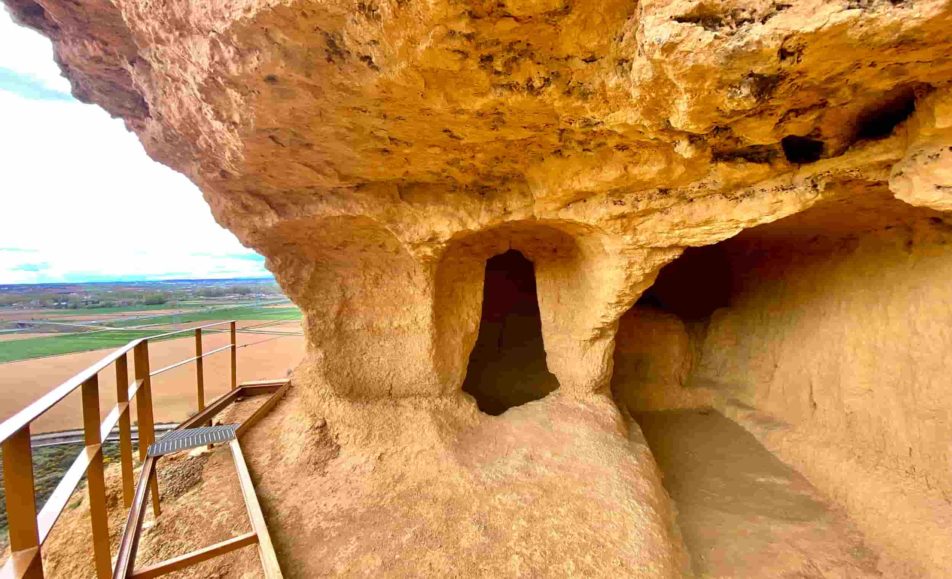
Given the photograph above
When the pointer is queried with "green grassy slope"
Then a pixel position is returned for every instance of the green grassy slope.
(13, 350)
(235, 313)
(27, 348)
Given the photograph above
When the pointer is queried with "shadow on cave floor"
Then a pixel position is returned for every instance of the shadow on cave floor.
(507, 365)
(744, 513)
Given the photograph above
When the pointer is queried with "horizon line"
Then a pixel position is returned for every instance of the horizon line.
(142, 280)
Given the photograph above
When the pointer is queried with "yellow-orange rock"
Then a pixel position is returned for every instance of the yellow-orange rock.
(377, 153)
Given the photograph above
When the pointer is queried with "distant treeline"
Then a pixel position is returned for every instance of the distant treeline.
(97, 296)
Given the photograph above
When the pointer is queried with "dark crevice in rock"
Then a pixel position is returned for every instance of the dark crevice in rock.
(879, 121)
(750, 154)
(802, 150)
(763, 86)
(714, 18)
(693, 285)
(710, 22)
(32, 14)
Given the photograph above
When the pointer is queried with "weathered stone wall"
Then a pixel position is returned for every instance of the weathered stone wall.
(839, 335)
(833, 348)
(655, 353)
(847, 331)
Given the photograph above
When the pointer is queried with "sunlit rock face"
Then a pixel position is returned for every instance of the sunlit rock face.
(378, 153)
(409, 141)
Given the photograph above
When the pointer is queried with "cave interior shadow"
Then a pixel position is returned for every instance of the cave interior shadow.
(507, 365)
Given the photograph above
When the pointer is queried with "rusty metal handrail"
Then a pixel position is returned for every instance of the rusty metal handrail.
(24, 417)
(28, 530)
(186, 330)
(189, 360)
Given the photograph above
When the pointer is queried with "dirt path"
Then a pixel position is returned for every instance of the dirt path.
(742, 512)
(173, 392)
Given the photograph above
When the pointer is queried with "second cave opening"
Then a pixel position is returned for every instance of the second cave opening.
(507, 365)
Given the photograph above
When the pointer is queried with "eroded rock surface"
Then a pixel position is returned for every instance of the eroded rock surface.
(824, 334)
(385, 149)
(379, 152)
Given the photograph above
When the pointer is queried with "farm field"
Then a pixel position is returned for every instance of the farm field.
(266, 356)
(11, 314)
(97, 312)
(40, 345)
(51, 331)
(284, 312)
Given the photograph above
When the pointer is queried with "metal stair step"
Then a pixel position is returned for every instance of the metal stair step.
(189, 438)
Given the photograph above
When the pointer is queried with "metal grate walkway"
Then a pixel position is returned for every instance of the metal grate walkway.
(188, 438)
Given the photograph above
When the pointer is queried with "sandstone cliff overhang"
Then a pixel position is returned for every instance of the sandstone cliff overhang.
(378, 149)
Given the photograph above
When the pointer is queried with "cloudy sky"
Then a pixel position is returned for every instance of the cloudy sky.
(79, 198)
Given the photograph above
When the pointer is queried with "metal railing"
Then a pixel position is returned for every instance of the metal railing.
(125, 567)
(29, 529)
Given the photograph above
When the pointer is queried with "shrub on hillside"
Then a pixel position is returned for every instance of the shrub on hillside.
(155, 299)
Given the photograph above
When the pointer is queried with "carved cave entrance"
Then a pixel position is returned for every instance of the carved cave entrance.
(507, 365)
(787, 321)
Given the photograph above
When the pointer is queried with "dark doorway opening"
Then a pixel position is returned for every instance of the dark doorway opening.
(507, 366)
(693, 285)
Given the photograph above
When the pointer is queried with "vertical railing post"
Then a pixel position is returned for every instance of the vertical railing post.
(199, 370)
(144, 409)
(125, 429)
(95, 478)
(21, 504)
(234, 356)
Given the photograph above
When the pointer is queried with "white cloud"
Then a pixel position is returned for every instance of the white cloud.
(78, 191)
(23, 50)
